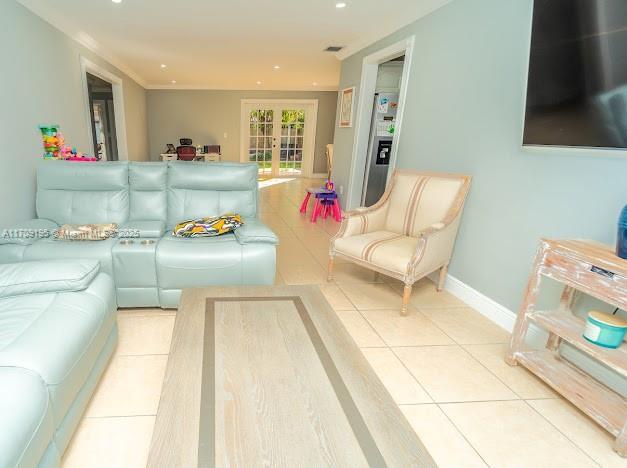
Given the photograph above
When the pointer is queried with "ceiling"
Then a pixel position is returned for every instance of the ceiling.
(232, 44)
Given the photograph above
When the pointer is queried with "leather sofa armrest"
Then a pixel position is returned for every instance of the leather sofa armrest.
(28, 232)
(46, 276)
(147, 229)
(254, 231)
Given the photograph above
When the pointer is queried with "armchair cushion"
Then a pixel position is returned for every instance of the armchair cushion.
(384, 249)
(17, 279)
(254, 231)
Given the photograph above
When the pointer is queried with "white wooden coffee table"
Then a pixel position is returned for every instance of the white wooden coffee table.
(268, 376)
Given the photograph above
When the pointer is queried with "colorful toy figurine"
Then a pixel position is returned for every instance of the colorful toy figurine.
(50, 140)
(55, 147)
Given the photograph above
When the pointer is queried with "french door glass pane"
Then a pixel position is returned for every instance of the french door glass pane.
(260, 141)
(292, 125)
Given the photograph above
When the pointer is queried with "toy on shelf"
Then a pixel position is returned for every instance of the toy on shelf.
(326, 202)
(56, 149)
(50, 139)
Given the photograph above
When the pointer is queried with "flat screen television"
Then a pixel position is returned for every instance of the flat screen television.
(577, 83)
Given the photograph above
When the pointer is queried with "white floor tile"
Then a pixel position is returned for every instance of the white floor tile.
(512, 434)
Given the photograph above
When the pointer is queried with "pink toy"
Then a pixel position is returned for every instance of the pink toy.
(55, 147)
(326, 202)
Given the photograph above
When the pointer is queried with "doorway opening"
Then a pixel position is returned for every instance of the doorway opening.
(382, 130)
(378, 122)
(102, 111)
(279, 135)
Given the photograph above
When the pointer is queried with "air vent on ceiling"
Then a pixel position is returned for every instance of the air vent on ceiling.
(333, 48)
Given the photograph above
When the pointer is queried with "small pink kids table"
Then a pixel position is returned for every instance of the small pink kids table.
(326, 203)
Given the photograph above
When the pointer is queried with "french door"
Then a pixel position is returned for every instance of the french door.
(279, 136)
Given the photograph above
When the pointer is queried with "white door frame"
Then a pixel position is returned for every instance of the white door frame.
(367, 88)
(87, 66)
(309, 146)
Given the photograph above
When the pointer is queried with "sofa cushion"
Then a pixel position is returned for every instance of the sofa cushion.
(73, 193)
(147, 183)
(198, 190)
(26, 424)
(46, 276)
(202, 261)
(59, 336)
(28, 232)
(254, 231)
(46, 249)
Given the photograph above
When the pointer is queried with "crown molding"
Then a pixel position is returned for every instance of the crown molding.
(379, 34)
(236, 88)
(52, 16)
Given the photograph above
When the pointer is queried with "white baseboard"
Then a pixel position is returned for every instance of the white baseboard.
(536, 337)
(489, 308)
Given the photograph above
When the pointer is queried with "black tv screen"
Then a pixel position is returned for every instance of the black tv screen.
(577, 84)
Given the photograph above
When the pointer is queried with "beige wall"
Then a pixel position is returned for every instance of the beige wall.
(42, 83)
(206, 115)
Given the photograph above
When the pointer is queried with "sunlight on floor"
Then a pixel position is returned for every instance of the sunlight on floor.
(263, 183)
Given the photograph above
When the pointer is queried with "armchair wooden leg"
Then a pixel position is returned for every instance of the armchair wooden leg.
(406, 296)
(330, 269)
(442, 277)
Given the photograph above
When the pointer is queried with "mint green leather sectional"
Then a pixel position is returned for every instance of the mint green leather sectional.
(57, 333)
(149, 199)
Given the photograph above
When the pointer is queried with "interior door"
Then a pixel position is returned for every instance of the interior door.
(279, 137)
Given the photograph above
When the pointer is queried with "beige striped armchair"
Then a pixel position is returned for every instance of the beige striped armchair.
(409, 233)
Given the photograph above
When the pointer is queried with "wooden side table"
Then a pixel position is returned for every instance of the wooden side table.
(583, 267)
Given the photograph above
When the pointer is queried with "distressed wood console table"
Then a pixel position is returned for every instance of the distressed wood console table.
(583, 267)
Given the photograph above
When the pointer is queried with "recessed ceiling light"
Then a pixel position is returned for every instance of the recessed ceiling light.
(258, 82)
(116, 1)
(173, 81)
(163, 65)
(314, 83)
(340, 5)
(276, 67)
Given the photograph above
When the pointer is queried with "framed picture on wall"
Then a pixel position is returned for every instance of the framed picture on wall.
(346, 107)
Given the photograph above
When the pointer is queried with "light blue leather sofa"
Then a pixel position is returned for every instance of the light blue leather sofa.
(57, 333)
(150, 198)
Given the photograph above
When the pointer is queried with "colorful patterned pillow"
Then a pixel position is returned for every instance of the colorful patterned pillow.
(86, 232)
(208, 227)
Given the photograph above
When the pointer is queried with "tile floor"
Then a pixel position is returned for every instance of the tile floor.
(442, 364)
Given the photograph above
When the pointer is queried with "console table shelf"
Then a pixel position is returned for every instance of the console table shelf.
(602, 404)
(570, 327)
(582, 267)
